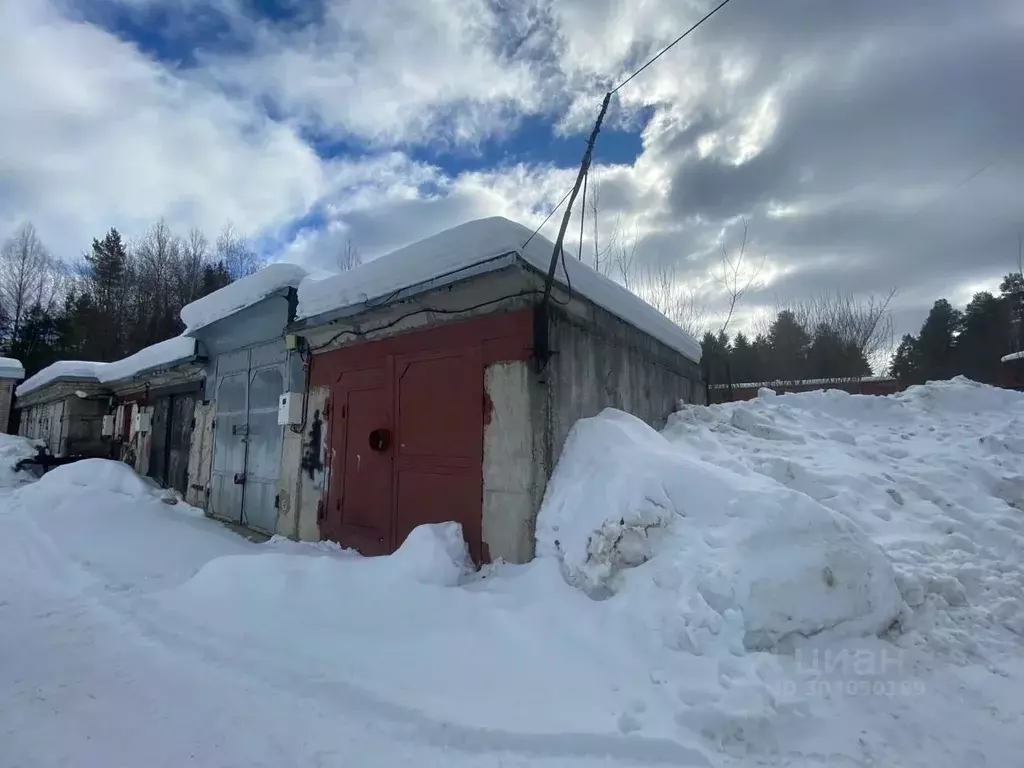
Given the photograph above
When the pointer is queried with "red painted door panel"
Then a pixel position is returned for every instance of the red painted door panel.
(439, 442)
(359, 503)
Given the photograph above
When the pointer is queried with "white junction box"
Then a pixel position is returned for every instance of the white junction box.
(108, 425)
(142, 422)
(289, 408)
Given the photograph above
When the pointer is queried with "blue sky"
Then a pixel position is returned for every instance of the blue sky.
(838, 132)
(180, 36)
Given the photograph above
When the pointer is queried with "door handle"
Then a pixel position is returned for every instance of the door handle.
(380, 439)
(239, 478)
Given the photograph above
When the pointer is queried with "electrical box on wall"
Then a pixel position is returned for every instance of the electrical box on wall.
(108, 425)
(289, 409)
(142, 422)
(292, 342)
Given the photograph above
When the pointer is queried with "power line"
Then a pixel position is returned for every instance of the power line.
(670, 45)
(550, 214)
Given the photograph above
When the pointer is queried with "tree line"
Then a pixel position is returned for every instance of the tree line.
(117, 299)
(829, 336)
(969, 342)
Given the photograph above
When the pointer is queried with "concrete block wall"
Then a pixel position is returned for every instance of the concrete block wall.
(600, 362)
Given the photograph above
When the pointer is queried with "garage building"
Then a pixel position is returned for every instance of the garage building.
(442, 386)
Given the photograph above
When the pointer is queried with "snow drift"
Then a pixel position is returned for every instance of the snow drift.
(804, 514)
(726, 552)
(739, 560)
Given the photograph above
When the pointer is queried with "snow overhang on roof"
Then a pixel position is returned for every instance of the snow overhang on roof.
(11, 369)
(157, 357)
(477, 247)
(63, 370)
(241, 294)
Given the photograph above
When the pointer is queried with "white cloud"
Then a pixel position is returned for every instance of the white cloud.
(769, 111)
(93, 134)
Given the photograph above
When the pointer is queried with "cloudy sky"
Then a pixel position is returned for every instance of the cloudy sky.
(869, 144)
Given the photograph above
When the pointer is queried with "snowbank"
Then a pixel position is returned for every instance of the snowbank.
(11, 368)
(1013, 356)
(736, 559)
(12, 450)
(794, 523)
(240, 294)
(478, 246)
(160, 355)
(69, 370)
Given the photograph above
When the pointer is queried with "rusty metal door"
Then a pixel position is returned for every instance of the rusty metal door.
(439, 442)
(359, 505)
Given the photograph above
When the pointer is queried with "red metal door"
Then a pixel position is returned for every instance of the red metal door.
(359, 501)
(439, 442)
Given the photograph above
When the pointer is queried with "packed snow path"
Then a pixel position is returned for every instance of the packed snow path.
(801, 580)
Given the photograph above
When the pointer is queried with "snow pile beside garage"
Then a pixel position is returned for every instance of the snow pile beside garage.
(160, 355)
(111, 597)
(811, 515)
(241, 294)
(725, 558)
(62, 370)
(12, 450)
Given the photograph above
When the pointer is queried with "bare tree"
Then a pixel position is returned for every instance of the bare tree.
(661, 287)
(864, 323)
(194, 255)
(602, 262)
(350, 257)
(29, 275)
(622, 252)
(736, 276)
(234, 252)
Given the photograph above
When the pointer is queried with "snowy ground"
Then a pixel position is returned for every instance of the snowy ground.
(812, 579)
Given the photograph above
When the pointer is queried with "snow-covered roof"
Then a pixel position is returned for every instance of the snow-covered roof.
(11, 368)
(160, 355)
(1014, 356)
(472, 248)
(63, 370)
(240, 294)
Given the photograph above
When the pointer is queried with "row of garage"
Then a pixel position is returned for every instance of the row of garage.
(431, 384)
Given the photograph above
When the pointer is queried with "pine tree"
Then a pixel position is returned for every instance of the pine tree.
(906, 363)
(831, 357)
(789, 344)
(744, 360)
(107, 280)
(986, 337)
(937, 341)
